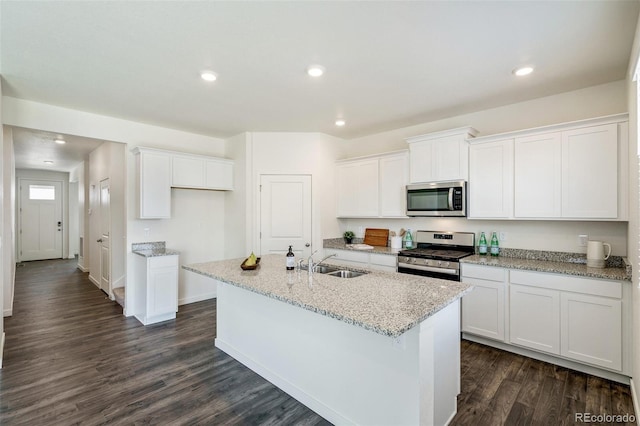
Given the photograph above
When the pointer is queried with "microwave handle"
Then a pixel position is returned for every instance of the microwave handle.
(450, 199)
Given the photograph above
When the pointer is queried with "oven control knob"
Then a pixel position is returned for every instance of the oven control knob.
(439, 263)
(446, 264)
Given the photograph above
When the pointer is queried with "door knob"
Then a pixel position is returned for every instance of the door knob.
(99, 241)
(307, 245)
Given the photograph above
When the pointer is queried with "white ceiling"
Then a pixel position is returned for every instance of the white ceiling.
(32, 148)
(389, 63)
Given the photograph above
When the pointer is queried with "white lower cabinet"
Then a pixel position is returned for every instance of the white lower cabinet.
(535, 318)
(591, 329)
(579, 319)
(156, 288)
(483, 310)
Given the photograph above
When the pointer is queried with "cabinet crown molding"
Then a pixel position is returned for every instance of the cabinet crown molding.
(139, 149)
(374, 156)
(607, 119)
(468, 132)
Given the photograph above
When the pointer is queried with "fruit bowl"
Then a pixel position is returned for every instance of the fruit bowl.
(246, 267)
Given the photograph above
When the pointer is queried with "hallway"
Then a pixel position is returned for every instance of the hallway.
(72, 357)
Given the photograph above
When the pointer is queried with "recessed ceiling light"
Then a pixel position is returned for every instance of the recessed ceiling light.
(60, 141)
(340, 122)
(48, 162)
(523, 71)
(315, 70)
(209, 76)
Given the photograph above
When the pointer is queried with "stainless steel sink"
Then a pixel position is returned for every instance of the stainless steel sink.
(325, 269)
(343, 273)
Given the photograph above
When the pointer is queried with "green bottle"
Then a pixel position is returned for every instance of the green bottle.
(482, 245)
(495, 249)
(408, 240)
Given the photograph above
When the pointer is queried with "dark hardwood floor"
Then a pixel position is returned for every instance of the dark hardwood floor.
(71, 357)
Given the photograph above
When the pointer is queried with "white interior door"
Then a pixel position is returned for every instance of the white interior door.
(40, 234)
(285, 214)
(105, 221)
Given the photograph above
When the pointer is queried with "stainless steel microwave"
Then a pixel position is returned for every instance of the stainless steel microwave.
(437, 199)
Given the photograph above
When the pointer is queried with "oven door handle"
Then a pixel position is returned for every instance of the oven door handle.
(450, 199)
(429, 269)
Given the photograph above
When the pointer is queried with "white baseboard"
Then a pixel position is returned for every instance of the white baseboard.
(634, 398)
(82, 268)
(7, 313)
(94, 281)
(1, 348)
(198, 298)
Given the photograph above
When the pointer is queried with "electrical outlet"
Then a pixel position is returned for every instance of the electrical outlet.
(146, 232)
(582, 240)
(502, 236)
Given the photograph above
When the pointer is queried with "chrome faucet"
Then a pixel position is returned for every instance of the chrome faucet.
(312, 266)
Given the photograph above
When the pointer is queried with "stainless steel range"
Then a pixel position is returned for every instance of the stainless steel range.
(437, 254)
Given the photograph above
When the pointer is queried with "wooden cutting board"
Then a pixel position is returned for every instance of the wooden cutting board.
(376, 237)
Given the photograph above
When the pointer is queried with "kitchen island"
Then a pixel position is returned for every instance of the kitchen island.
(380, 348)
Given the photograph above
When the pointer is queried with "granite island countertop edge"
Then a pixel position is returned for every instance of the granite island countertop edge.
(390, 332)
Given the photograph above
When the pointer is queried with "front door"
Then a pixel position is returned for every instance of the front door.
(105, 221)
(285, 214)
(40, 220)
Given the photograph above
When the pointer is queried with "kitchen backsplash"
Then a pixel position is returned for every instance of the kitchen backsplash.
(545, 236)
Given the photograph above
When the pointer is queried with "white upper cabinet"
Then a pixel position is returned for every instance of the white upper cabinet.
(188, 172)
(394, 175)
(590, 178)
(372, 186)
(357, 188)
(572, 171)
(201, 172)
(158, 171)
(219, 174)
(538, 176)
(490, 188)
(440, 156)
(154, 183)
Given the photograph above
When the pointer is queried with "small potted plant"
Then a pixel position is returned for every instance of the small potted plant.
(348, 236)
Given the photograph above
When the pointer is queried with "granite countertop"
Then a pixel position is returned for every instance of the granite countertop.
(339, 244)
(386, 303)
(554, 264)
(153, 249)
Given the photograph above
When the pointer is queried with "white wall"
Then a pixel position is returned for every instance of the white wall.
(108, 162)
(634, 211)
(33, 115)
(52, 176)
(78, 175)
(595, 101)
(74, 220)
(8, 220)
(297, 153)
(238, 204)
